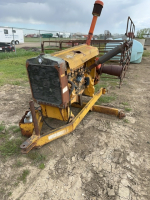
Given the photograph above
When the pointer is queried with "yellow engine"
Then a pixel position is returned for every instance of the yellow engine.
(58, 80)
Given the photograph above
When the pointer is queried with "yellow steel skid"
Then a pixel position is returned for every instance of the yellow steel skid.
(101, 109)
(36, 141)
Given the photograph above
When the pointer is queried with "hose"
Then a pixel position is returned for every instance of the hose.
(72, 87)
(70, 92)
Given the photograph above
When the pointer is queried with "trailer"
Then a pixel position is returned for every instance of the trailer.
(11, 35)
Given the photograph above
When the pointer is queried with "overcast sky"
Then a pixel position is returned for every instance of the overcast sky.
(74, 15)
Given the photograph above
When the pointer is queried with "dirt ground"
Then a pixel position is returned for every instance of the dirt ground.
(103, 159)
(33, 44)
(28, 44)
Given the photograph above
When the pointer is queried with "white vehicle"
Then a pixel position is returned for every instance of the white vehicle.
(9, 35)
(63, 35)
(66, 35)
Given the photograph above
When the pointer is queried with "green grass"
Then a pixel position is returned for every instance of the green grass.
(19, 53)
(35, 156)
(27, 39)
(125, 103)
(12, 67)
(107, 77)
(128, 109)
(42, 166)
(13, 71)
(10, 141)
(105, 99)
(100, 85)
(2, 127)
(146, 53)
(126, 121)
(10, 147)
(18, 163)
(23, 176)
(14, 129)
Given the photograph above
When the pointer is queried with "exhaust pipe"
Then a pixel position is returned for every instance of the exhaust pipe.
(96, 13)
(115, 70)
(110, 54)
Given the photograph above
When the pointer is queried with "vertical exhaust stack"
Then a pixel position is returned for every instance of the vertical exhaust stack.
(96, 13)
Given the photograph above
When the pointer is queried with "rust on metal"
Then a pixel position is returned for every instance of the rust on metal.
(121, 115)
(29, 141)
(26, 130)
(115, 70)
(26, 150)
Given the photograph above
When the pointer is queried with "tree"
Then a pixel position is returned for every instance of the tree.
(142, 32)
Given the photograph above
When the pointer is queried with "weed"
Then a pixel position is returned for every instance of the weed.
(15, 129)
(35, 156)
(42, 166)
(16, 83)
(106, 99)
(2, 127)
(126, 120)
(18, 163)
(125, 103)
(16, 184)
(9, 194)
(128, 109)
(10, 147)
(23, 176)
(146, 53)
(98, 86)
(107, 77)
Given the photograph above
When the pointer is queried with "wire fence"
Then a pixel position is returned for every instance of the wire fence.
(23, 37)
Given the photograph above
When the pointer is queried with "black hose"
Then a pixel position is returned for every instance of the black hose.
(45, 121)
(72, 87)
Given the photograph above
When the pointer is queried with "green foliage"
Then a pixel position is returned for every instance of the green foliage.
(18, 163)
(105, 99)
(19, 53)
(128, 109)
(126, 121)
(142, 32)
(10, 147)
(125, 103)
(42, 166)
(2, 127)
(23, 176)
(146, 53)
(14, 129)
(100, 85)
(35, 156)
(13, 71)
(12, 66)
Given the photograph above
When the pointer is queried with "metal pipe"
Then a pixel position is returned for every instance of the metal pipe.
(96, 13)
(115, 70)
(112, 53)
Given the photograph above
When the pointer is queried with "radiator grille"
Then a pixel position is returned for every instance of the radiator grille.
(45, 84)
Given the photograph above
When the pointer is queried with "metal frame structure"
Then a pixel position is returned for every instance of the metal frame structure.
(36, 140)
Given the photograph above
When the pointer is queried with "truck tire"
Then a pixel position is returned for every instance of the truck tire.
(16, 42)
(12, 42)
